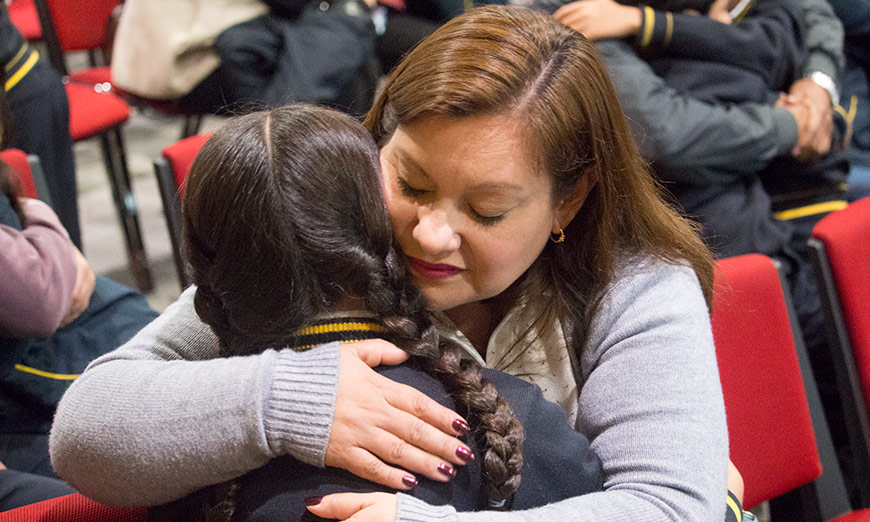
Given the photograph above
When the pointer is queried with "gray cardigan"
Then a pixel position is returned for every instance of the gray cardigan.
(161, 417)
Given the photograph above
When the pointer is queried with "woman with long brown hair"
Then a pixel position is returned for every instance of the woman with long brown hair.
(541, 244)
(304, 184)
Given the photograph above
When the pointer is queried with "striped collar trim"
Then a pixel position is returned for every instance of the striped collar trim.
(343, 329)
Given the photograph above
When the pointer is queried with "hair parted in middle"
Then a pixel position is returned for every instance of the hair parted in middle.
(283, 218)
(523, 64)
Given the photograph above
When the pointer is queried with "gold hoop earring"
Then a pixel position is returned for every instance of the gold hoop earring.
(560, 239)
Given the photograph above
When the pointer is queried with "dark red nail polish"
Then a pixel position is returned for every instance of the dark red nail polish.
(447, 470)
(461, 426)
(464, 454)
(409, 481)
(312, 501)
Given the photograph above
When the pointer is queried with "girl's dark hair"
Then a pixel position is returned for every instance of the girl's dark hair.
(527, 66)
(284, 218)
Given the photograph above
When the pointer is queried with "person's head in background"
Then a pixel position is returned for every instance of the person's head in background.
(501, 134)
(285, 222)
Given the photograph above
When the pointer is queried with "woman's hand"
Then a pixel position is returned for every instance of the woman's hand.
(359, 507)
(379, 421)
(598, 19)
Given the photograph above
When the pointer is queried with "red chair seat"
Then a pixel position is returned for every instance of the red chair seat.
(92, 76)
(181, 155)
(23, 15)
(844, 235)
(17, 159)
(91, 112)
(862, 515)
(772, 442)
(72, 508)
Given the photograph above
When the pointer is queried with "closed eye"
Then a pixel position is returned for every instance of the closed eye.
(486, 220)
(410, 192)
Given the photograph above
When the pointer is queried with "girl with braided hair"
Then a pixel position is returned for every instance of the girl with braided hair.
(527, 218)
(290, 246)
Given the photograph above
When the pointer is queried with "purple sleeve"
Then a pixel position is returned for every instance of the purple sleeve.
(38, 274)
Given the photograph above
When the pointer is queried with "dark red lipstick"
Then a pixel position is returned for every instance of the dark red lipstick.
(432, 270)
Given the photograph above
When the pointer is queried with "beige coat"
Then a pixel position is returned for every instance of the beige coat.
(164, 48)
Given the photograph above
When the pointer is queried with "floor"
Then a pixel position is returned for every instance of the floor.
(145, 134)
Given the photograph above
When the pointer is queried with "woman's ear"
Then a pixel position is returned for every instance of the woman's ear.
(570, 205)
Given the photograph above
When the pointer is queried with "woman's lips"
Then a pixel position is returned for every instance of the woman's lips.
(432, 271)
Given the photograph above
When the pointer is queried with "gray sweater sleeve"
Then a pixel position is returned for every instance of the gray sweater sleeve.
(689, 140)
(161, 416)
(651, 405)
(824, 39)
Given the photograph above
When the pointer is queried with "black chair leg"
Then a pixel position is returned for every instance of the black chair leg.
(192, 123)
(125, 204)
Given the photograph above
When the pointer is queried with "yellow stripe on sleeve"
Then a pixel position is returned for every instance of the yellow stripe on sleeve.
(669, 30)
(733, 506)
(811, 210)
(19, 74)
(47, 375)
(649, 24)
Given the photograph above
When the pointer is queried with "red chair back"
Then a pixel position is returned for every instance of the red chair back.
(81, 25)
(21, 166)
(846, 237)
(769, 423)
(23, 15)
(180, 156)
(72, 508)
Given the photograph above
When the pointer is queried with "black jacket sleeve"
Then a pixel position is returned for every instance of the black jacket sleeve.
(768, 41)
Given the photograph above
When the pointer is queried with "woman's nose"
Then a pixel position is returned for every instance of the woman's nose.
(433, 231)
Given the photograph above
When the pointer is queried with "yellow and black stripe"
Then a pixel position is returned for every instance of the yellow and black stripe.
(656, 27)
(345, 329)
(20, 64)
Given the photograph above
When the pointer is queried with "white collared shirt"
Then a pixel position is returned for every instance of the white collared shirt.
(518, 347)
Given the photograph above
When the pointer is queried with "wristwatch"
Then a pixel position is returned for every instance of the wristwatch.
(827, 83)
(748, 516)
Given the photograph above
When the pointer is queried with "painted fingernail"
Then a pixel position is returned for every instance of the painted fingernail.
(447, 470)
(409, 481)
(464, 454)
(461, 426)
(312, 501)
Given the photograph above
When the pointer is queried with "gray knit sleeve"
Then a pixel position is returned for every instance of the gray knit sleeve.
(161, 416)
(651, 405)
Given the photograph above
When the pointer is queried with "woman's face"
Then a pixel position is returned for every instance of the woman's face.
(470, 210)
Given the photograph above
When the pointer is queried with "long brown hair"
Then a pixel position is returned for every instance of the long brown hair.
(283, 218)
(523, 64)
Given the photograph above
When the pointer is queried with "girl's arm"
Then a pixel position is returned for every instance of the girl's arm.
(768, 41)
(39, 273)
(651, 405)
(162, 416)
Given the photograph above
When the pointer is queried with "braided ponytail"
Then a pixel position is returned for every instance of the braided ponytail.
(402, 308)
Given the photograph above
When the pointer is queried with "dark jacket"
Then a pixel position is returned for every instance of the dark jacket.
(558, 464)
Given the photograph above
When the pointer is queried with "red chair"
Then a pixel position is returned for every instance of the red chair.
(97, 113)
(73, 508)
(171, 170)
(777, 429)
(841, 248)
(20, 164)
(23, 15)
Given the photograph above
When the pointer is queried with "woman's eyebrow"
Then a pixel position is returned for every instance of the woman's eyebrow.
(407, 158)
